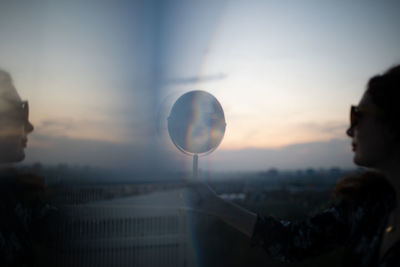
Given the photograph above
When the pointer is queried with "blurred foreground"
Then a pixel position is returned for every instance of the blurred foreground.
(141, 223)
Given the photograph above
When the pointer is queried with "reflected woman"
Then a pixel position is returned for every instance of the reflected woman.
(23, 208)
(14, 122)
(365, 216)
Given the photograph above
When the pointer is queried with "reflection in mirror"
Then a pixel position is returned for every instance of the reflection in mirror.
(196, 123)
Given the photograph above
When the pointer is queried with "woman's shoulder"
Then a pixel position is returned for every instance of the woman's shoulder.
(22, 188)
(364, 189)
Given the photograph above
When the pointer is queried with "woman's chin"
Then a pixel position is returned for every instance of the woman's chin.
(358, 160)
(365, 162)
(11, 151)
(17, 156)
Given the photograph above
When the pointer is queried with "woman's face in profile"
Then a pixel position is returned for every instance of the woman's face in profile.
(14, 128)
(370, 138)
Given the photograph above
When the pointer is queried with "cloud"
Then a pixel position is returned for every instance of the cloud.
(324, 154)
(331, 127)
(152, 158)
(246, 131)
(197, 79)
(56, 125)
(117, 131)
(127, 157)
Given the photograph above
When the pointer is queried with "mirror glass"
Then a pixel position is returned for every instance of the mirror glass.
(196, 123)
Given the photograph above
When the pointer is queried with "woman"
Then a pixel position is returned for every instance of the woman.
(14, 122)
(24, 214)
(364, 218)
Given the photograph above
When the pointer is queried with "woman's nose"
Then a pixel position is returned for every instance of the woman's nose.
(28, 127)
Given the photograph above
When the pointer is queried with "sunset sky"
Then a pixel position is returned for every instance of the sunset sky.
(104, 74)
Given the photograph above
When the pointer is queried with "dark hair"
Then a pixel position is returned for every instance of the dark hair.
(384, 90)
(8, 93)
(362, 186)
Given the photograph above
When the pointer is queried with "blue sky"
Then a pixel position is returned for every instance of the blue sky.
(108, 72)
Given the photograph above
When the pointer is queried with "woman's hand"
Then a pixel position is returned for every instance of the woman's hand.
(199, 196)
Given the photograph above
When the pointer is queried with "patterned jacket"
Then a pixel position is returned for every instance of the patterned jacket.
(357, 226)
(24, 228)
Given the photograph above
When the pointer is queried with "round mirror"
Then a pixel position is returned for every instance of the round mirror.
(196, 123)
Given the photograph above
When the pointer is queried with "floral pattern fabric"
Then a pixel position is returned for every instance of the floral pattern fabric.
(358, 227)
(23, 217)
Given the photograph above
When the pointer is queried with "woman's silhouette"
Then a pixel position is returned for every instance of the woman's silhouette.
(14, 122)
(24, 212)
(365, 215)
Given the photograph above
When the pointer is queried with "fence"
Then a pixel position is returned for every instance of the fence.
(124, 236)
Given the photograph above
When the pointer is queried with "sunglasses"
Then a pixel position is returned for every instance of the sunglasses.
(357, 112)
(24, 110)
(20, 112)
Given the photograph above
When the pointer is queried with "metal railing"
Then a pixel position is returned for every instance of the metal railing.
(123, 235)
